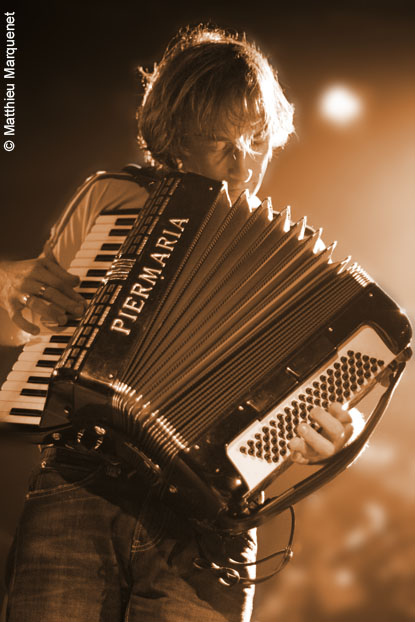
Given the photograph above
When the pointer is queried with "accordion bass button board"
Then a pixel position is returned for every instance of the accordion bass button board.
(214, 332)
(262, 447)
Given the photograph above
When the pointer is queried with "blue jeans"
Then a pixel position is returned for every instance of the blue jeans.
(94, 546)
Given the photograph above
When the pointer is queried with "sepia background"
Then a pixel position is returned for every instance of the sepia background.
(77, 88)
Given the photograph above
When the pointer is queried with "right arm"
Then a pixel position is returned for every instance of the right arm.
(39, 293)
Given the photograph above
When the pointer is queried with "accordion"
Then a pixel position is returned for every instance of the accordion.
(214, 333)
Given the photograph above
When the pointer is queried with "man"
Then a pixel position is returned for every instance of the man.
(93, 544)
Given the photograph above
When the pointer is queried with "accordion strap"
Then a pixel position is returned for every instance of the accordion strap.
(143, 176)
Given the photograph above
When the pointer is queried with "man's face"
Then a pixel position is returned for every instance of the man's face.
(221, 159)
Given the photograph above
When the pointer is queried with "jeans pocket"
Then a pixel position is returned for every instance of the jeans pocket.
(152, 524)
(61, 470)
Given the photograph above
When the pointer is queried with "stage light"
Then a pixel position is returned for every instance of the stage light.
(340, 105)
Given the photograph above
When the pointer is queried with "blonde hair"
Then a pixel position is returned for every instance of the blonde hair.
(208, 81)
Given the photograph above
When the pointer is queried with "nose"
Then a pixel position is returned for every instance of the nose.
(239, 169)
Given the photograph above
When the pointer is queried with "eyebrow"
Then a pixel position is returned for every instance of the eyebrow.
(224, 138)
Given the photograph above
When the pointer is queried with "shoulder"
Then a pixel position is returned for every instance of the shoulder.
(115, 190)
(103, 192)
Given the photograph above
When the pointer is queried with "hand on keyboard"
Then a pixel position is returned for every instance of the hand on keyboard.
(42, 286)
(335, 428)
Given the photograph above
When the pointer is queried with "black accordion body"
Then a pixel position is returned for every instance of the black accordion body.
(214, 333)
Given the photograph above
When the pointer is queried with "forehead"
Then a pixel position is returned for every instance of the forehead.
(229, 116)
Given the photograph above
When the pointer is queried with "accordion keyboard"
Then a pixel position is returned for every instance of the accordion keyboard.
(23, 394)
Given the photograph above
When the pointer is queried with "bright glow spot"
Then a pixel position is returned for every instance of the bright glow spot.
(358, 422)
(340, 105)
(344, 577)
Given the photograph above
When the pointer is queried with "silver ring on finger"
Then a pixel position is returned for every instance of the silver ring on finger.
(25, 299)
(41, 291)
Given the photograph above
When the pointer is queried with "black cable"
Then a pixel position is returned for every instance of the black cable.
(229, 575)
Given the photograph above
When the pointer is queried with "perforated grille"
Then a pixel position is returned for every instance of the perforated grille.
(336, 384)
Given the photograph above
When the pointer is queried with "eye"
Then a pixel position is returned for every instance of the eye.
(259, 140)
(220, 146)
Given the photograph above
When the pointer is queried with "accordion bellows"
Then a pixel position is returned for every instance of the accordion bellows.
(215, 332)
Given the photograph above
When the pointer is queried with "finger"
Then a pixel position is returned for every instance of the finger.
(300, 451)
(298, 444)
(43, 284)
(332, 427)
(43, 274)
(346, 419)
(316, 441)
(20, 321)
(46, 311)
(69, 305)
(56, 268)
(299, 458)
(51, 325)
(337, 410)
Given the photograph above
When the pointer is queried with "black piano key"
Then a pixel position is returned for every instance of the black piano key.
(90, 284)
(46, 363)
(32, 412)
(86, 296)
(60, 339)
(34, 392)
(57, 351)
(95, 272)
(125, 222)
(104, 258)
(38, 380)
(110, 247)
(119, 232)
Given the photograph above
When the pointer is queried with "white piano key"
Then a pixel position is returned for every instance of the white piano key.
(98, 244)
(103, 229)
(112, 218)
(25, 401)
(91, 254)
(82, 262)
(7, 405)
(99, 240)
(81, 271)
(14, 385)
(21, 365)
(106, 219)
(39, 346)
(6, 417)
(36, 356)
(116, 239)
(21, 376)
(100, 227)
(40, 338)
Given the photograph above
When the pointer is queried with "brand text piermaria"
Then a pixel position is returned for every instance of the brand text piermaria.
(149, 276)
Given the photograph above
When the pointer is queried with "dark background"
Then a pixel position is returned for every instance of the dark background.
(77, 88)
